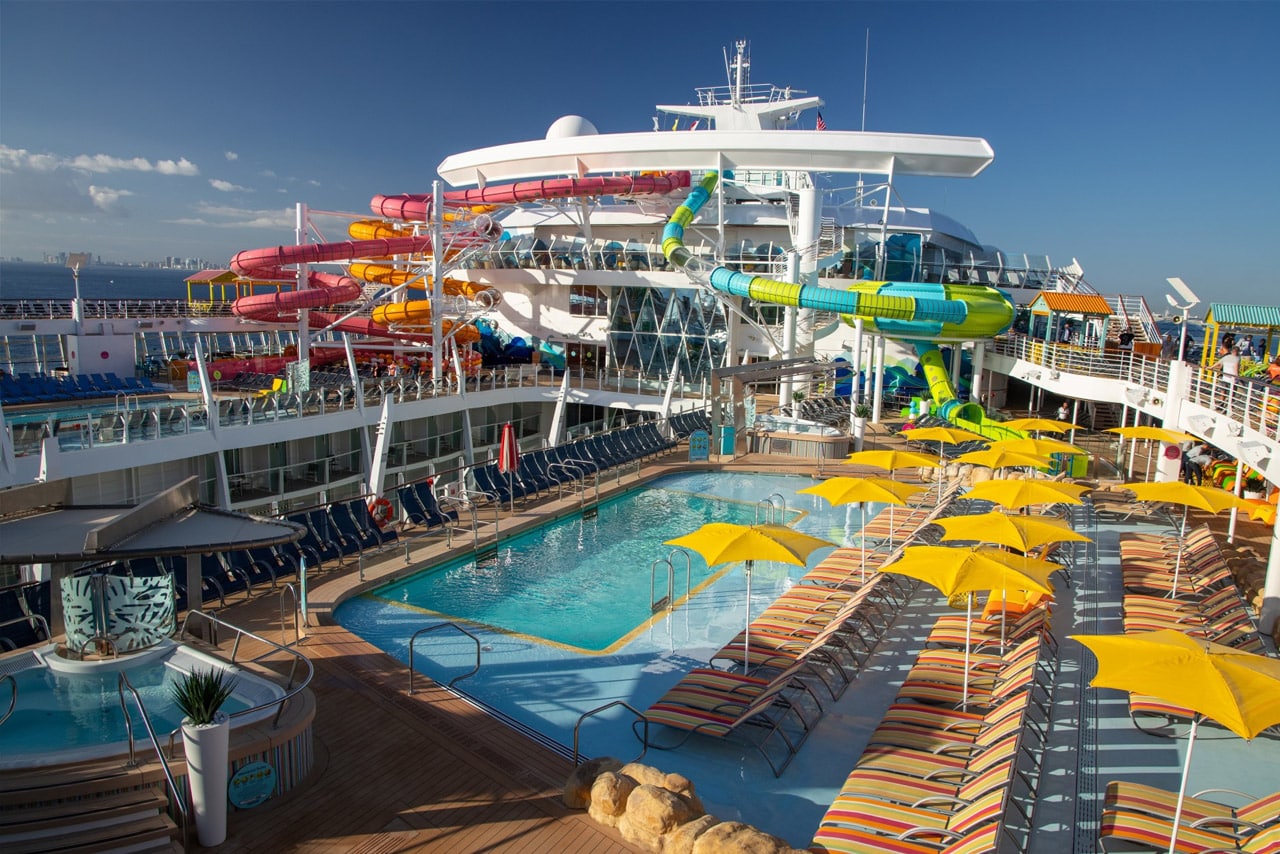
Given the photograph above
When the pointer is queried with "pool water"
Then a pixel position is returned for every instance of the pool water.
(62, 713)
(583, 583)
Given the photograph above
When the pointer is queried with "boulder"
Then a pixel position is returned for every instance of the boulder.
(651, 812)
(677, 783)
(577, 792)
(609, 795)
(734, 837)
(681, 840)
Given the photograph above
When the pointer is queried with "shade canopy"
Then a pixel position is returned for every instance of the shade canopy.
(858, 490)
(1159, 434)
(949, 435)
(891, 459)
(1016, 532)
(995, 458)
(957, 571)
(1207, 498)
(1016, 494)
(724, 542)
(1240, 690)
(1044, 425)
(1037, 447)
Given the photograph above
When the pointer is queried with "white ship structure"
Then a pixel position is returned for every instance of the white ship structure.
(579, 283)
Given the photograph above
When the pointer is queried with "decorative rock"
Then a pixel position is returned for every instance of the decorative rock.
(609, 795)
(652, 811)
(677, 783)
(577, 792)
(682, 839)
(734, 837)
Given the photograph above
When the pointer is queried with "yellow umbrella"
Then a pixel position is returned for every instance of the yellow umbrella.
(1016, 532)
(996, 458)
(1239, 690)
(1262, 510)
(891, 459)
(1041, 425)
(1037, 447)
(956, 571)
(1159, 434)
(1015, 494)
(860, 490)
(1207, 498)
(942, 434)
(724, 542)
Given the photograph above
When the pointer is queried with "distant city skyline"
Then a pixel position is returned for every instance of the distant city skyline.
(1132, 136)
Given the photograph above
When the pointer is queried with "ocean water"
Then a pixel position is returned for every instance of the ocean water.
(26, 280)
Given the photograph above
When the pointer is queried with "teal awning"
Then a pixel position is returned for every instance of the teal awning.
(1236, 314)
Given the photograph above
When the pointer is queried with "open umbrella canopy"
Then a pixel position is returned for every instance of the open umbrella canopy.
(1037, 447)
(956, 571)
(1207, 498)
(1016, 532)
(1015, 494)
(995, 458)
(858, 490)
(1159, 434)
(891, 459)
(942, 434)
(1044, 425)
(723, 542)
(1262, 510)
(1239, 690)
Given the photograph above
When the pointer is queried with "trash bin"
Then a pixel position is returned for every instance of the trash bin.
(726, 440)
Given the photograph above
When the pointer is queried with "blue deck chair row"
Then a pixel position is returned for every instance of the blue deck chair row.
(44, 388)
(419, 506)
(684, 423)
(17, 604)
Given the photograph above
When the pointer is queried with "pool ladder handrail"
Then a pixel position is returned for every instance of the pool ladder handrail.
(288, 587)
(115, 651)
(175, 794)
(13, 695)
(772, 516)
(432, 628)
(644, 739)
(492, 498)
(291, 690)
(580, 477)
(458, 503)
(669, 600)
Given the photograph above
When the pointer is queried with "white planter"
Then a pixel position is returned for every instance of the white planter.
(206, 749)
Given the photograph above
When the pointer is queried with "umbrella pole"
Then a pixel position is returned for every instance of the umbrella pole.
(862, 574)
(746, 635)
(968, 625)
(1182, 789)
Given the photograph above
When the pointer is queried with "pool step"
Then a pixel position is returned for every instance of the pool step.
(115, 812)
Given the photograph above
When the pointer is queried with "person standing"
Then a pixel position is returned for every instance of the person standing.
(1064, 412)
(1126, 339)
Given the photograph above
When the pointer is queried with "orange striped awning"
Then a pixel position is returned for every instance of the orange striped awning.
(1073, 304)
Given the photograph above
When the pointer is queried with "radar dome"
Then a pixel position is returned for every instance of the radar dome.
(567, 126)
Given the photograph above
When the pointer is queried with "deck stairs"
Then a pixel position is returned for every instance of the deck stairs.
(109, 809)
(1102, 416)
(1132, 312)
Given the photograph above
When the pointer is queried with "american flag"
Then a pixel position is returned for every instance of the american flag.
(822, 123)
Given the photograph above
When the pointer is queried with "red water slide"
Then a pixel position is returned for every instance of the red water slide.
(417, 207)
(328, 289)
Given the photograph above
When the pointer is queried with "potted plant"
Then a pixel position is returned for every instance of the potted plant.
(861, 412)
(206, 732)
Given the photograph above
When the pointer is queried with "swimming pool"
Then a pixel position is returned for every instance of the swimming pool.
(586, 584)
(70, 711)
(544, 686)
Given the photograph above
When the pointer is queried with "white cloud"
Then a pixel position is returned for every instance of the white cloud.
(227, 216)
(19, 159)
(105, 198)
(227, 187)
(231, 156)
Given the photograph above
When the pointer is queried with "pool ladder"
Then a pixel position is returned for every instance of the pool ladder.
(436, 627)
(667, 602)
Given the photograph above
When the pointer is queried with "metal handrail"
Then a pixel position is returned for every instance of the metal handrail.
(461, 505)
(644, 740)
(297, 628)
(175, 795)
(13, 695)
(656, 604)
(290, 689)
(115, 651)
(428, 629)
(30, 618)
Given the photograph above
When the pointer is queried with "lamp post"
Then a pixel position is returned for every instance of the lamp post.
(1192, 300)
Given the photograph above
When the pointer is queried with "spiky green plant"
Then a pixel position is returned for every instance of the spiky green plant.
(199, 695)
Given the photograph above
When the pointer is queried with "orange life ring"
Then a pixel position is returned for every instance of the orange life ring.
(380, 510)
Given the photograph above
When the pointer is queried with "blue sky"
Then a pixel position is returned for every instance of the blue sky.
(1137, 137)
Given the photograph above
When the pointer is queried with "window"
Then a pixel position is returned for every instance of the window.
(588, 301)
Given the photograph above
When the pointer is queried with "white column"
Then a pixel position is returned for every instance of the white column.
(878, 368)
(1270, 610)
(979, 358)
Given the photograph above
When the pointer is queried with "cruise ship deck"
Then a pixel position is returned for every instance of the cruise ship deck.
(433, 772)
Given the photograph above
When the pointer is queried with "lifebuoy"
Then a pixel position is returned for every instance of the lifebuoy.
(380, 510)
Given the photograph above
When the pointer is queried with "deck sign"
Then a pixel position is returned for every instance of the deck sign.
(699, 446)
(251, 785)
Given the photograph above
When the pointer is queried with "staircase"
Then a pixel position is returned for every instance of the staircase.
(1105, 416)
(112, 809)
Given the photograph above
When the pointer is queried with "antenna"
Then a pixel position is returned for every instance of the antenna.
(866, 66)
